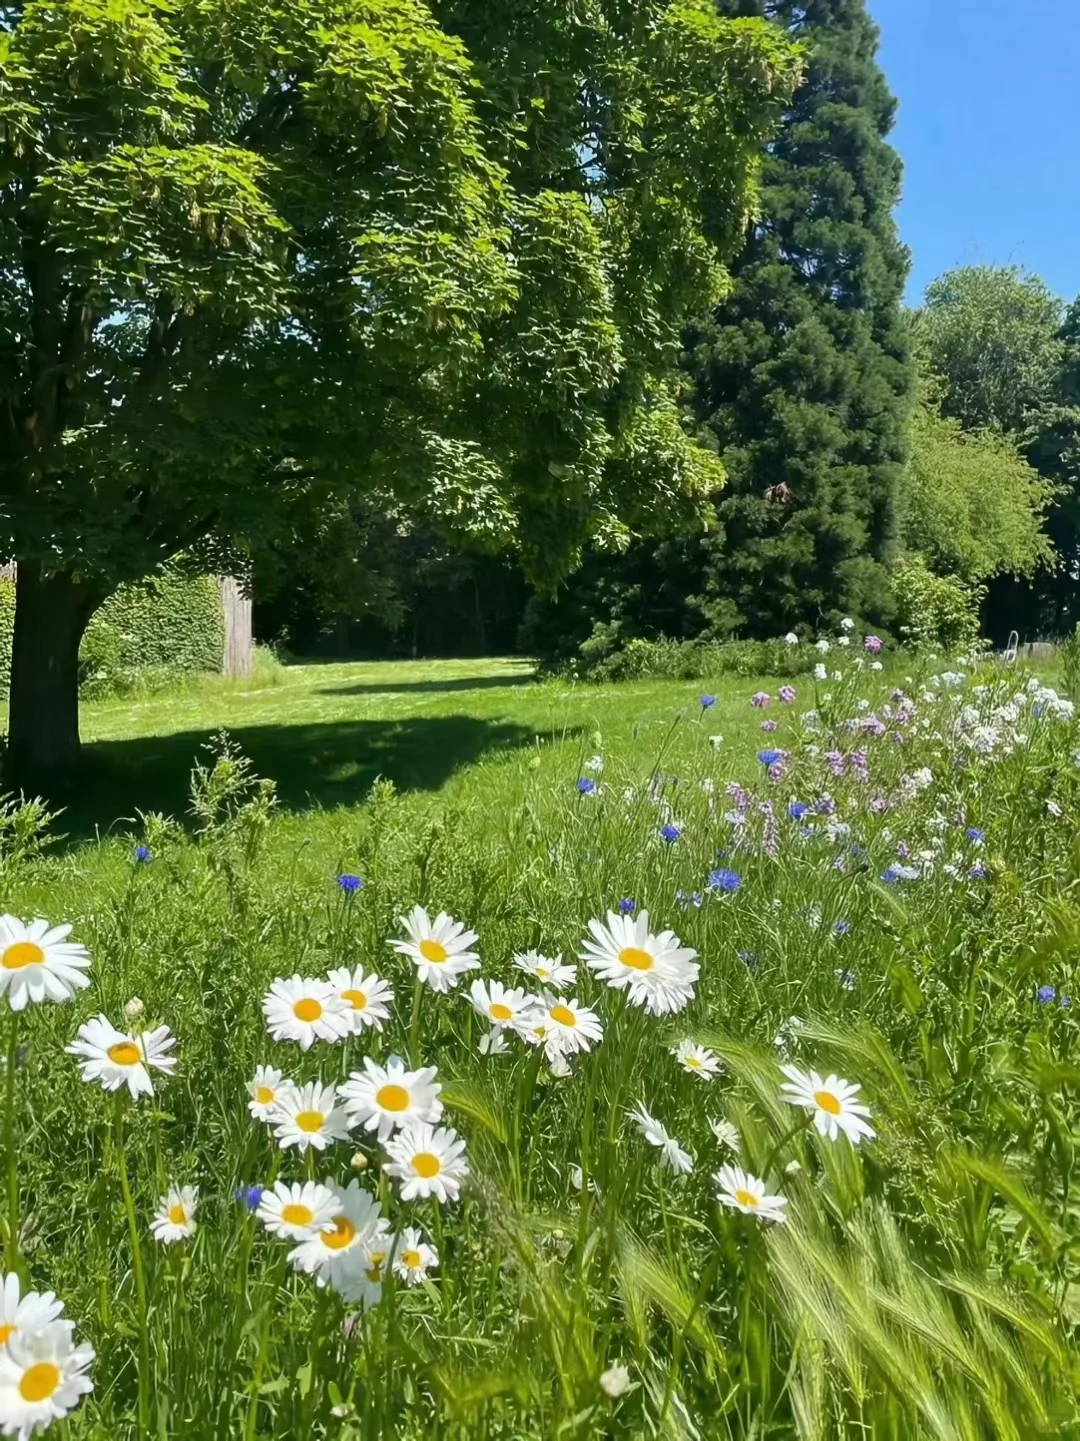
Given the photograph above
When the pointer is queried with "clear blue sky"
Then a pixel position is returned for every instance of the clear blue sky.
(989, 131)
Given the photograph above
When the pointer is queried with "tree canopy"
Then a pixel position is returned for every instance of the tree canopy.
(259, 258)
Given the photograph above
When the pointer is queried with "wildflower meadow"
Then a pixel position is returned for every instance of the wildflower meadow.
(703, 1086)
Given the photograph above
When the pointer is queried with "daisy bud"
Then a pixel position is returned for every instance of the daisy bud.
(134, 1009)
(359, 1162)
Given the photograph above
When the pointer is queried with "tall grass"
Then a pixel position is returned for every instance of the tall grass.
(925, 1283)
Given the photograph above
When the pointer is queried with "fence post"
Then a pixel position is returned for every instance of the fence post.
(236, 613)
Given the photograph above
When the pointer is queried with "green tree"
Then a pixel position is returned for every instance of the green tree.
(803, 378)
(258, 259)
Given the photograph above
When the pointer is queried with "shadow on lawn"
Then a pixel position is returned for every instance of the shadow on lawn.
(452, 683)
(328, 764)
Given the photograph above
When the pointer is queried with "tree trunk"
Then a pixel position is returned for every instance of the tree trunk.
(51, 614)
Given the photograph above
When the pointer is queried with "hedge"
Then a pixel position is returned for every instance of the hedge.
(172, 621)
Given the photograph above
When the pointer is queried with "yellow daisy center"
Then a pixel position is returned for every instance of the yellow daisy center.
(6, 1333)
(636, 958)
(343, 1233)
(426, 1165)
(297, 1214)
(433, 951)
(498, 1012)
(542, 973)
(22, 953)
(828, 1102)
(356, 999)
(264, 1095)
(392, 1098)
(746, 1198)
(307, 1009)
(124, 1053)
(177, 1215)
(374, 1275)
(309, 1121)
(694, 1061)
(411, 1260)
(37, 1383)
(564, 1015)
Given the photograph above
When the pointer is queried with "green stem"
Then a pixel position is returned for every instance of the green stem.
(800, 1125)
(138, 1273)
(12, 1248)
(414, 1025)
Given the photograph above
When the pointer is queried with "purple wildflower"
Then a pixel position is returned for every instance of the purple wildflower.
(873, 644)
(769, 725)
(760, 699)
(786, 693)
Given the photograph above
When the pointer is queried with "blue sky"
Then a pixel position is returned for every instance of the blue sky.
(989, 131)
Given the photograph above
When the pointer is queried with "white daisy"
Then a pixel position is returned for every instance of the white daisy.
(672, 1154)
(307, 1116)
(570, 1026)
(497, 1004)
(428, 1162)
(726, 1135)
(175, 1219)
(390, 1096)
(413, 1257)
(493, 1042)
(368, 998)
(39, 963)
(336, 1254)
(117, 1059)
(534, 1027)
(439, 948)
(42, 1378)
(297, 1211)
(265, 1088)
(549, 971)
(360, 1281)
(23, 1315)
(306, 1010)
(746, 1193)
(832, 1101)
(698, 1060)
(658, 971)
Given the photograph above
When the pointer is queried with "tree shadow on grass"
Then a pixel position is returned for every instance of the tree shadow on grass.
(321, 765)
(452, 683)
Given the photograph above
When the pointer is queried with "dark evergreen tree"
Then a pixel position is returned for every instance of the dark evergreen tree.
(804, 376)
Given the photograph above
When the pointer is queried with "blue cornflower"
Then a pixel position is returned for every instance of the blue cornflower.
(975, 835)
(350, 884)
(979, 871)
(688, 898)
(626, 906)
(770, 758)
(707, 701)
(797, 809)
(671, 833)
(842, 928)
(249, 1195)
(1045, 994)
(723, 880)
(142, 853)
(1065, 1002)
(586, 786)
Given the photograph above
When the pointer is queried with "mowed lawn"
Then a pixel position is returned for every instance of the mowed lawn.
(470, 731)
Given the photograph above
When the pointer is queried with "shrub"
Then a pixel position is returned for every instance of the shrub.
(933, 609)
(601, 659)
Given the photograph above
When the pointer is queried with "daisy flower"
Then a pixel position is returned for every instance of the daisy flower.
(549, 971)
(571, 1027)
(336, 1254)
(427, 1162)
(746, 1193)
(497, 1004)
(439, 948)
(672, 1154)
(493, 1042)
(265, 1089)
(42, 1378)
(307, 1116)
(368, 998)
(175, 1219)
(413, 1257)
(117, 1059)
(306, 1010)
(23, 1315)
(536, 1029)
(389, 1096)
(832, 1101)
(658, 971)
(698, 1060)
(39, 963)
(726, 1134)
(360, 1282)
(298, 1211)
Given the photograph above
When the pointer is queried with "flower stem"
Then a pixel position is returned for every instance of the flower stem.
(414, 1024)
(800, 1125)
(137, 1272)
(11, 1254)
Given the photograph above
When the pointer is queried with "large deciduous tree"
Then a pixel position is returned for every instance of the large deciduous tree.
(259, 259)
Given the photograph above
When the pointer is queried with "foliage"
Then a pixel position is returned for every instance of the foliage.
(940, 611)
(972, 505)
(168, 624)
(924, 1285)
(607, 657)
